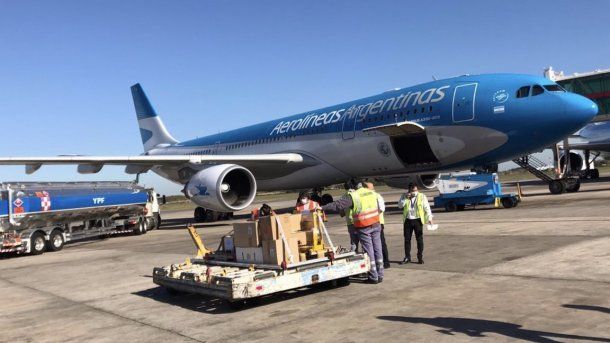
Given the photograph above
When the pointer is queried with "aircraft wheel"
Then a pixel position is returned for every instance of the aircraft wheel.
(200, 215)
(326, 199)
(210, 216)
(37, 243)
(450, 207)
(556, 187)
(56, 241)
(595, 173)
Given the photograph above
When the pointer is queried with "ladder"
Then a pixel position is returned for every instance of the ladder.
(534, 166)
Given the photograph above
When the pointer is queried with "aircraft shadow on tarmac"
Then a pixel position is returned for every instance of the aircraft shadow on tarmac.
(213, 305)
(479, 327)
(601, 309)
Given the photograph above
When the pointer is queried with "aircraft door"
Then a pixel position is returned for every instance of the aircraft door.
(349, 123)
(463, 102)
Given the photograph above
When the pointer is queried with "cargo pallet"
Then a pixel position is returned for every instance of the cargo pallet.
(210, 274)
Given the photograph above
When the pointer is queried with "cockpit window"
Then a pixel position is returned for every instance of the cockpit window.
(523, 92)
(537, 90)
(554, 88)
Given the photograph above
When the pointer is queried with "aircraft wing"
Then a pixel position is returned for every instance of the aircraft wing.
(142, 163)
(596, 146)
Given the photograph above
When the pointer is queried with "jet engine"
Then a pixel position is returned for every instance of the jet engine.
(223, 188)
(423, 181)
(577, 162)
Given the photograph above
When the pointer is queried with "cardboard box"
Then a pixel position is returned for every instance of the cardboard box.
(246, 235)
(274, 251)
(249, 255)
(301, 237)
(269, 230)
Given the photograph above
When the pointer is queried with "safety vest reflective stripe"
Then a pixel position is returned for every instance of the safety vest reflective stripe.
(311, 206)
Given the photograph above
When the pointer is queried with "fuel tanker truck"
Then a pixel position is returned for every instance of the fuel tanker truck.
(43, 216)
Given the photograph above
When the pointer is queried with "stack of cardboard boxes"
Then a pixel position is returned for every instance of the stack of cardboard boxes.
(260, 241)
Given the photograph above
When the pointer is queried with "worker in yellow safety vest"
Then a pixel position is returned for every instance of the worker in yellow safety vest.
(415, 214)
(384, 246)
(349, 219)
(365, 213)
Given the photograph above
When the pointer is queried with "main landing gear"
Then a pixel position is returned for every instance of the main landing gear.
(203, 215)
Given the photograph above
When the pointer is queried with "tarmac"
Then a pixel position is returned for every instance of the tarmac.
(539, 272)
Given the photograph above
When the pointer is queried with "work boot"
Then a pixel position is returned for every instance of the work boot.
(406, 260)
(386, 265)
(380, 280)
(372, 281)
(420, 261)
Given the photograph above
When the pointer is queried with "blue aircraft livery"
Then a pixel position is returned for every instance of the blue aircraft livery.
(400, 136)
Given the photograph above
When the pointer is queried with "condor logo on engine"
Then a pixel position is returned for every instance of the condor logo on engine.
(98, 201)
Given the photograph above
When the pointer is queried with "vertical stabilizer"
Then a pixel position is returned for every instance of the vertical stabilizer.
(152, 130)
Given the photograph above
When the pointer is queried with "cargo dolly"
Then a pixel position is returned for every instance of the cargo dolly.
(212, 274)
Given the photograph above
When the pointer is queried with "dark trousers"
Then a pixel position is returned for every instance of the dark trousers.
(384, 247)
(411, 226)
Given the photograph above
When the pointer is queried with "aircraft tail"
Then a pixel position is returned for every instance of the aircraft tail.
(152, 130)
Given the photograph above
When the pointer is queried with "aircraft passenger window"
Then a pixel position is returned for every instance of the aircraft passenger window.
(537, 90)
(554, 88)
(523, 92)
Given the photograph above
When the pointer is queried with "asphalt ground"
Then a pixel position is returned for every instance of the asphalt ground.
(539, 272)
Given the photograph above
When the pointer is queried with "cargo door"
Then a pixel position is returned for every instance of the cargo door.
(463, 102)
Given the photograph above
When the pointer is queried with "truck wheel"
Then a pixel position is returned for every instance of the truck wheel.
(145, 226)
(37, 243)
(199, 216)
(138, 229)
(56, 241)
(450, 207)
(461, 207)
(556, 187)
(158, 221)
(508, 202)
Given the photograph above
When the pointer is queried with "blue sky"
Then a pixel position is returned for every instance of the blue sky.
(209, 66)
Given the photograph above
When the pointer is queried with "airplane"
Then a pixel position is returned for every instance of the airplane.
(400, 136)
(593, 137)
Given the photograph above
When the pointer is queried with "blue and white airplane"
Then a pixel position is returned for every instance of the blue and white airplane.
(402, 135)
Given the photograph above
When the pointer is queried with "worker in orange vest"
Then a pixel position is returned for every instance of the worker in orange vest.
(265, 210)
(306, 206)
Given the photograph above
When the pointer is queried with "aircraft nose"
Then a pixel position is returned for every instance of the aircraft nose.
(581, 108)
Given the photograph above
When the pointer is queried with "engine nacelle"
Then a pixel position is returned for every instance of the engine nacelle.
(577, 163)
(224, 188)
(423, 181)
